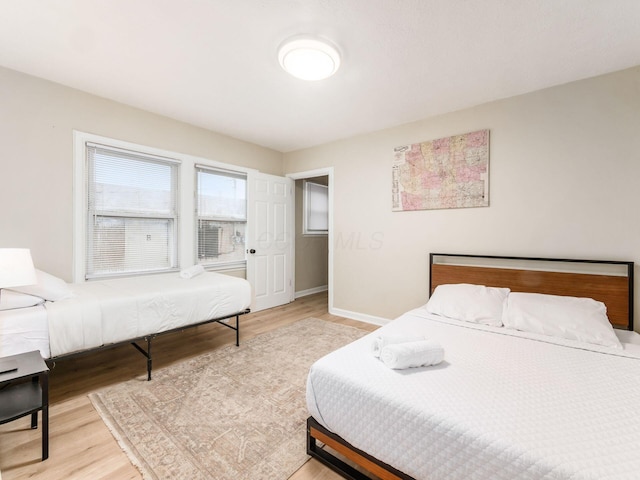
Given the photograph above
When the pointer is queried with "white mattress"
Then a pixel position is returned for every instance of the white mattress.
(24, 330)
(500, 407)
(111, 311)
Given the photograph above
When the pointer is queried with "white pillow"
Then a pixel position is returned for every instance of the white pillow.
(630, 340)
(10, 300)
(581, 319)
(471, 303)
(627, 336)
(48, 287)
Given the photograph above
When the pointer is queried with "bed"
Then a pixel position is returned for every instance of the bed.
(506, 403)
(64, 320)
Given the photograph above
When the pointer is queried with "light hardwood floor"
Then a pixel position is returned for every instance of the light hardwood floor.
(81, 446)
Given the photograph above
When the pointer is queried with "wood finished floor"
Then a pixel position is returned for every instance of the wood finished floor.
(81, 446)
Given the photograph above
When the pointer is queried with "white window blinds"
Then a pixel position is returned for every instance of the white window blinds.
(132, 209)
(316, 208)
(221, 216)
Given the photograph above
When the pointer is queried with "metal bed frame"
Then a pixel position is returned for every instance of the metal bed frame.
(148, 339)
(315, 431)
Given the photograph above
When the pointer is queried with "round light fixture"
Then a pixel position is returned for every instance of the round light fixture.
(309, 58)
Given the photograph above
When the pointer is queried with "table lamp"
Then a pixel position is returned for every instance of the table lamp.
(16, 268)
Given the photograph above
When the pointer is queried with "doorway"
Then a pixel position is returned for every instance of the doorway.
(313, 256)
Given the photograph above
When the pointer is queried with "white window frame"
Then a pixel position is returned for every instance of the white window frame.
(187, 246)
(306, 210)
(224, 265)
(172, 216)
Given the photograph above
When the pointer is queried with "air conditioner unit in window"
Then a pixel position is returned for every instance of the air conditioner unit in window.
(209, 239)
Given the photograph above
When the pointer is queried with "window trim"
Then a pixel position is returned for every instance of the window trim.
(187, 252)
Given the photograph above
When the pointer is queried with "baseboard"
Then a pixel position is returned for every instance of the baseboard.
(311, 291)
(362, 317)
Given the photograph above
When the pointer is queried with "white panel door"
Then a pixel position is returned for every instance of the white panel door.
(270, 240)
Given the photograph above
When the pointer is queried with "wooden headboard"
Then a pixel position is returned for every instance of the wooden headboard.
(610, 282)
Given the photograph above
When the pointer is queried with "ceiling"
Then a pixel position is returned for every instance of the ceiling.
(213, 63)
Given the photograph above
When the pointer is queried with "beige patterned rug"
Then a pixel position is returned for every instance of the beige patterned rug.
(234, 413)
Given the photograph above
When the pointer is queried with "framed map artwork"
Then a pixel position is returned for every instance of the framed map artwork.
(451, 172)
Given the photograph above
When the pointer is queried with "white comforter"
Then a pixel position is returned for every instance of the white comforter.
(23, 330)
(500, 407)
(111, 311)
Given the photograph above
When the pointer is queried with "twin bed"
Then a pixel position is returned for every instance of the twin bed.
(63, 320)
(534, 389)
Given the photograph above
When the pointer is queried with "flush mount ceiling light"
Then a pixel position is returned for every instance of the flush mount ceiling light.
(309, 58)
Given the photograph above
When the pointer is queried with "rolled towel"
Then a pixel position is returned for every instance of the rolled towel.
(191, 271)
(382, 341)
(412, 354)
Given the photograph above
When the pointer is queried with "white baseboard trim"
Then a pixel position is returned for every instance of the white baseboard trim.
(363, 317)
(311, 291)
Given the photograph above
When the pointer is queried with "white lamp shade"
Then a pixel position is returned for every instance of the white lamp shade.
(16, 268)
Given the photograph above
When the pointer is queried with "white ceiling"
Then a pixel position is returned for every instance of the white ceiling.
(213, 63)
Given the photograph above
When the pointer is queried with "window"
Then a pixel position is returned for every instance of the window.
(138, 209)
(132, 212)
(221, 216)
(316, 209)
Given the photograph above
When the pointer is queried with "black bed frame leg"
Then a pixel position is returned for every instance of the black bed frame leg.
(237, 330)
(149, 359)
(146, 353)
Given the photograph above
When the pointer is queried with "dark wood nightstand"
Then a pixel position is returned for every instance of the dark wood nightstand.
(24, 390)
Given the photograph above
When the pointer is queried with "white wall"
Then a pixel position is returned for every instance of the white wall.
(564, 170)
(564, 167)
(37, 119)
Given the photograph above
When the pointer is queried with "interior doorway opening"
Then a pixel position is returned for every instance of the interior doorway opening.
(313, 271)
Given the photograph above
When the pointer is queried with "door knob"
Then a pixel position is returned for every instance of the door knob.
(252, 251)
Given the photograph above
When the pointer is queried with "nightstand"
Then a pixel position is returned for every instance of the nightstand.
(24, 390)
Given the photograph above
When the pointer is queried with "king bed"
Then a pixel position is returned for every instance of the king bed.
(535, 382)
(63, 320)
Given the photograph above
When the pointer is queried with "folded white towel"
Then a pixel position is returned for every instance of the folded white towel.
(412, 354)
(382, 341)
(191, 271)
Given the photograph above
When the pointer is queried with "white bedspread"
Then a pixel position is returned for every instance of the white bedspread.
(111, 311)
(499, 407)
(24, 330)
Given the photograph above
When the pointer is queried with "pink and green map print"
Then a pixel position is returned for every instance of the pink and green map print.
(451, 172)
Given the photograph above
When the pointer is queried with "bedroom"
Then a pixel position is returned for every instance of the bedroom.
(564, 163)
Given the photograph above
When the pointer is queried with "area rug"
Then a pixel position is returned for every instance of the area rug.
(233, 413)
